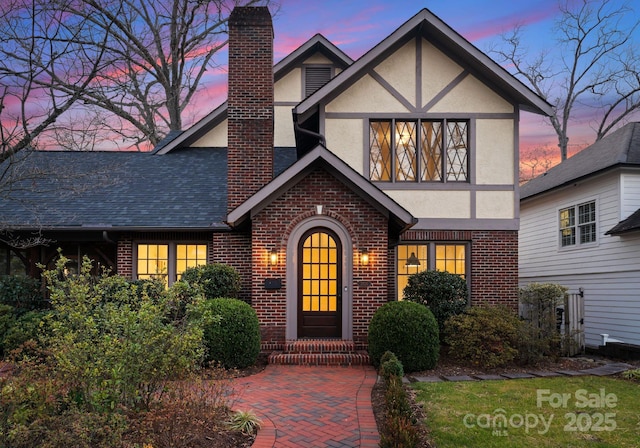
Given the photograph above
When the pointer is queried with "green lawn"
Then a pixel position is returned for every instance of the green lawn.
(584, 411)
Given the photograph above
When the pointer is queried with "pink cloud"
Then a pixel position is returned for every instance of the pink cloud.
(498, 25)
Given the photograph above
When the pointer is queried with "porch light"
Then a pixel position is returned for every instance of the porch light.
(413, 261)
(273, 257)
(364, 257)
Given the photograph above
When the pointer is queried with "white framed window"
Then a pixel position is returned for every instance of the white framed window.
(167, 261)
(577, 224)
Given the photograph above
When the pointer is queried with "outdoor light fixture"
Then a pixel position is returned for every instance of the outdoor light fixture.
(413, 261)
(364, 257)
(273, 257)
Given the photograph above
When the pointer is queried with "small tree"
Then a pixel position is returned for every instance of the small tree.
(445, 294)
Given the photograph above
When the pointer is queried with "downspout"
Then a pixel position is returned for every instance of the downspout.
(298, 128)
(105, 236)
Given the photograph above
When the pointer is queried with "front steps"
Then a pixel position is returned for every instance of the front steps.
(320, 352)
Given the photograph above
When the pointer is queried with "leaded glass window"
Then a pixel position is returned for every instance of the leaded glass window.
(418, 150)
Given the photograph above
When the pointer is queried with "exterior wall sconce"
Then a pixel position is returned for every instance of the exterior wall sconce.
(364, 257)
(413, 261)
(273, 257)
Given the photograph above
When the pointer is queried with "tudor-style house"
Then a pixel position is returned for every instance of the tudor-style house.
(324, 181)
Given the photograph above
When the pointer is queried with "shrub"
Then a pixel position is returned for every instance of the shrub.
(7, 320)
(391, 368)
(407, 329)
(118, 352)
(216, 280)
(398, 428)
(23, 293)
(541, 336)
(444, 293)
(485, 336)
(233, 341)
(28, 327)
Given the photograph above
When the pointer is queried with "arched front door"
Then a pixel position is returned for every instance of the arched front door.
(319, 284)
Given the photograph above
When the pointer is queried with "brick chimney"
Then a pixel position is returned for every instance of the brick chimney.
(250, 103)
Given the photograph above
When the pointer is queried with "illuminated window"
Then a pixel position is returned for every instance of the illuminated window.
(406, 268)
(319, 273)
(418, 150)
(583, 231)
(451, 258)
(153, 261)
(168, 261)
(414, 258)
(189, 256)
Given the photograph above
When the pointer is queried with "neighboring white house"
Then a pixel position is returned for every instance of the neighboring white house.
(580, 227)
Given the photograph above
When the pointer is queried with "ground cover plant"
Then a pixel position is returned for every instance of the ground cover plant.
(586, 411)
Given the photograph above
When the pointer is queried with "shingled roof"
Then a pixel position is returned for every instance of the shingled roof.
(620, 148)
(183, 190)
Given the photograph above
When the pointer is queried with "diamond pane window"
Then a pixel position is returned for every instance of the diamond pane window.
(380, 150)
(431, 162)
(457, 150)
(418, 150)
(405, 151)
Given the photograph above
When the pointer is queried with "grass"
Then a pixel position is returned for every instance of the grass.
(584, 411)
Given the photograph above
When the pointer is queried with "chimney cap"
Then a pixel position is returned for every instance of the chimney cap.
(250, 16)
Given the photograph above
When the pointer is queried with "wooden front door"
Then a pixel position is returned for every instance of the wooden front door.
(319, 285)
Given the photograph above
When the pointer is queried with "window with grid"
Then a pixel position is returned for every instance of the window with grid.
(414, 258)
(418, 150)
(153, 262)
(168, 261)
(574, 232)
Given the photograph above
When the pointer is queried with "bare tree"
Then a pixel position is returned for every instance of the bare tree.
(597, 66)
(39, 48)
(537, 161)
(158, 53)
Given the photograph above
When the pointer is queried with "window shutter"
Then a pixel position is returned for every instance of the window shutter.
(316, 77)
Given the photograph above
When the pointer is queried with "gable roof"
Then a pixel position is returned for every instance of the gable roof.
(630, 224)
(71, 190)
(427, 24)
(321, 156)
(620, 148)
(317, 44)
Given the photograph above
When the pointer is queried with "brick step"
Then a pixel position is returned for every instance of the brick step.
(320, 359)
(319, 346)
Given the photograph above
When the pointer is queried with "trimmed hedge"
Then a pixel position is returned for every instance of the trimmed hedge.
(407, 329)
(233, 341)
(444, 293)
(216, 280)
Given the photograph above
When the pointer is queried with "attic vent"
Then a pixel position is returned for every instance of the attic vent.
(316, 77)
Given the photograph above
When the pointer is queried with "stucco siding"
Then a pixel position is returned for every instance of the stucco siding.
(366, 95)
(434, 204)
(494, 152)
(289, 87)
(215, 138)
(404, 81)
(345, 138)
(283, 127)
(438, 70)
(495, 204)
(472, 96)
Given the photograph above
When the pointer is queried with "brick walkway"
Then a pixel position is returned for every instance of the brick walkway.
(302, 406)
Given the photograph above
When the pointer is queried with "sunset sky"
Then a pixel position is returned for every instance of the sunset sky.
(356, 26)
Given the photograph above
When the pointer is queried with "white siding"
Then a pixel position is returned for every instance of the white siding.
(609, 271)
(630, 193)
